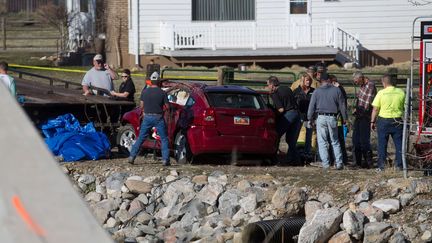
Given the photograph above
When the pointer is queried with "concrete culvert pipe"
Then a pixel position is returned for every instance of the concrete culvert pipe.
(278, 230)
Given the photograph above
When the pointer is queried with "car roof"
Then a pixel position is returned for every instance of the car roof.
(229, 89)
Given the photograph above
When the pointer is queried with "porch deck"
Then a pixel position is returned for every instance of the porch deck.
(268, 55)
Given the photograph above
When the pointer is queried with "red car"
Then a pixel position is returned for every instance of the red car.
(206, 119)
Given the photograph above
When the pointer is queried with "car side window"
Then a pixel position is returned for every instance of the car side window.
(178, 96)
(190, 102)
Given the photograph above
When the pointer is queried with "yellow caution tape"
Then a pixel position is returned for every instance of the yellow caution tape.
(84, 71)
(47, 68)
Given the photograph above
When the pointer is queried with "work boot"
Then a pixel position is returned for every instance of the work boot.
(369, 159)
(131, 160)
(367, 162)
(357, 157)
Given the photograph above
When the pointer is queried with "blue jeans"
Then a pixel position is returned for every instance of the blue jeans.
(148, 122)
(290, 124)
(327, 129)
(387, 127)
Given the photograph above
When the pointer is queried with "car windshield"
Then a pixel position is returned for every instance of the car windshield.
(235, 100)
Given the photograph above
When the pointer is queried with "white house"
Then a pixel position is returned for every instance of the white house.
(188, 31)
(82, 16)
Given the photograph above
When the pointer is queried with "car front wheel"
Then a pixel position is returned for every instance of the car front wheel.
(182, 152)
(126, 138)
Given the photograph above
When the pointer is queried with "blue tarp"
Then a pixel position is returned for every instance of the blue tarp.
(67, 138)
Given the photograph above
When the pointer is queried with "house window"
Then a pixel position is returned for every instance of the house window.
(223, 10)
(84, 8)
(298, 6)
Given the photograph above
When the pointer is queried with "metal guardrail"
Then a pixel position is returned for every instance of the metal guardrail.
(50, 79)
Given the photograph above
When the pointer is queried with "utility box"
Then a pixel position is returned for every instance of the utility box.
(148, 48)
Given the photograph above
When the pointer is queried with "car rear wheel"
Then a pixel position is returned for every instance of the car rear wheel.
(126, 138)
(182, 152)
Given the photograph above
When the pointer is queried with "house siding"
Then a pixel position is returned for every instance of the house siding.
(379, 24)
(180, 11)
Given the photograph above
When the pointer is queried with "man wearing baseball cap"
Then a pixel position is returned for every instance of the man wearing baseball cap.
(99, 79)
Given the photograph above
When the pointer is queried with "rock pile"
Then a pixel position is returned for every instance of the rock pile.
(211, 208)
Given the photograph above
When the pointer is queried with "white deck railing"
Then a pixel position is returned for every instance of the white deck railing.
(254, 36)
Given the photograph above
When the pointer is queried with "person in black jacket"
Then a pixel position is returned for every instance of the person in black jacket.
(287, 116)
(127, 87)
(303, 94)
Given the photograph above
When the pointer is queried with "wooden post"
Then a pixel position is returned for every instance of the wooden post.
(3, 30)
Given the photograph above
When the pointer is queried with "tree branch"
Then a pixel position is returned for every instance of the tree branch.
(419, 2)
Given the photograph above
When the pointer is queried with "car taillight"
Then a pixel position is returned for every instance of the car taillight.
(271, 121)
(207, 118)
(209, 115)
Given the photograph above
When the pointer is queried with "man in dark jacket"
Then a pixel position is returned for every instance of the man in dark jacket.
(288, 118)
(327, 101)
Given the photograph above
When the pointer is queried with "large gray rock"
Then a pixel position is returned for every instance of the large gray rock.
(143, 198)
(102, 209)
(114, 184)
(397, 237)
(183, 189)
(326, 199)
(311, 207)
(291, 200)
(321, 227)
(138, 187)
(406, 198)
(204, 231)
(340, 237)
(218, 177)
(195, 208)
(372, 213)
(123, 215)
(249, 203)
(243, 185)
(86, 179)
(363, 196)
(259, 192)
(144, 218)
(427, 236)
(387, 205)
(229, 202)
(135, 207)
(377, 232)
(210, 193)
(132, 232)
(200, 179)
(93, 197)
(111, 223)
(353, 223)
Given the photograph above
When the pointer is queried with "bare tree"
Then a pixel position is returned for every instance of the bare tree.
(419, 2)
(58, 17)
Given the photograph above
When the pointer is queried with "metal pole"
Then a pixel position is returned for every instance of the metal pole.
(405, 128)
(3, 29)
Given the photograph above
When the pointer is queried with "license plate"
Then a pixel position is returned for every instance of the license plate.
(241, 120)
